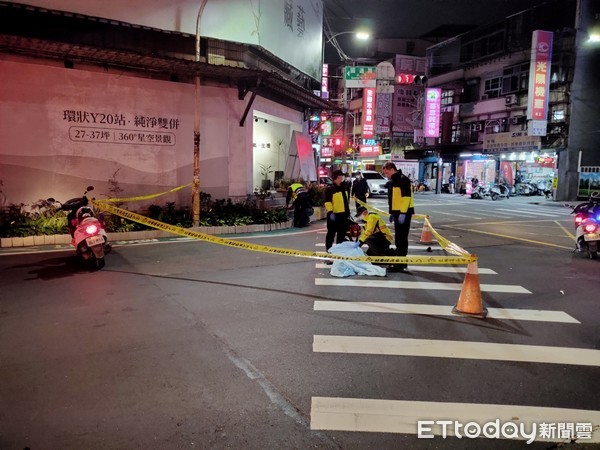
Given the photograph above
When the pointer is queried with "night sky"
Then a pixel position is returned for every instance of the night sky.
(412, 18)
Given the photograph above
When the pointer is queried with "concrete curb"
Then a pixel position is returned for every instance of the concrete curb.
(55, 239)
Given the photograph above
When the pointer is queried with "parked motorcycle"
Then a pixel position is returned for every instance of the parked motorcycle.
(524, 189)
(480, 191)
(500, 190)
(587, 221)
(543, 187)
(89, 236)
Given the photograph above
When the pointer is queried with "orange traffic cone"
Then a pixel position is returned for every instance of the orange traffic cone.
(426, 237)
(469, 301)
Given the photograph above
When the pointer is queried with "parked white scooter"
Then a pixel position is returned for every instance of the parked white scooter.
(89, 236)
(500, 190)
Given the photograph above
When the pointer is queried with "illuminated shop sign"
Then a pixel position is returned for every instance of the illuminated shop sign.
(433, 98)
(368, 116)
(539, 77)
(370, 150)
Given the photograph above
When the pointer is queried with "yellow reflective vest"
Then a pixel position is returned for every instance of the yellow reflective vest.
(293, 191)
(374, 225)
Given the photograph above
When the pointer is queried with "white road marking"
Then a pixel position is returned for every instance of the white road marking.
(442, 310)
(400, 416)
(410, 247)
(425, 285)
(456, 349)
(520, 212)
(432, 269)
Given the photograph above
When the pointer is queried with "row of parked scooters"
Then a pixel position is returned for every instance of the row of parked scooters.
(534, 188)
(503, 190)
(498, 190)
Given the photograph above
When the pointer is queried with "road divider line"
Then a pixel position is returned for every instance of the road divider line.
(401, 416)
(567, 232)
(424, 285)
(506, 236)
(442, 310)
(489, 351)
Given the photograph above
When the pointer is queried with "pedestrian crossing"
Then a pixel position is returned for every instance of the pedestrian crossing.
(400, 416)
(442, 206)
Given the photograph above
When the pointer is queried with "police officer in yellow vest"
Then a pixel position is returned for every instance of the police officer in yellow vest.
(299, 195)
(338, 210)
(375, 233)
(401, 207)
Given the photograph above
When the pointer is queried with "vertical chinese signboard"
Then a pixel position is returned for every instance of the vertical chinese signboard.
(539, 82)
(325, 82)
(368, 116)
(433, 99)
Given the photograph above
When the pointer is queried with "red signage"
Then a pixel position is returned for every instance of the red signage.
(368, 114)
(539, 75)
(370, 150)
(326, 152)
(545, 161)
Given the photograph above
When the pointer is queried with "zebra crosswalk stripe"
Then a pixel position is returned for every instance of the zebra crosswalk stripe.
(455, 349)
(425, 285)
(410, 247)
(442, 310)
(431, 269)
(401, 416)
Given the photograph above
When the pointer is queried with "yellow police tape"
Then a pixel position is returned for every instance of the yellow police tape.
(447, 245)
(433, 260)
(142, 197)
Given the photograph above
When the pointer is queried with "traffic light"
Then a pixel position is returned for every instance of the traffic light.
(411, 79)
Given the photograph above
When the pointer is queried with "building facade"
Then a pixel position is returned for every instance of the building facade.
(487, 87)
(86, 100)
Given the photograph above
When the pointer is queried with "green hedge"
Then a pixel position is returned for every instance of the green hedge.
(44, 218)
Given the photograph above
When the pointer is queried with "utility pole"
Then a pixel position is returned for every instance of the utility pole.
(196, 180)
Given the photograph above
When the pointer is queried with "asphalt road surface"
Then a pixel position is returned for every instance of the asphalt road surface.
(185, 344)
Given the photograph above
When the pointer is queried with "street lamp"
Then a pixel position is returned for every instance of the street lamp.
(360, 35)
(196, 180)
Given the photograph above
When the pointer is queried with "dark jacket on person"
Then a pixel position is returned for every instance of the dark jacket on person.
(400, 195)
(360, 188)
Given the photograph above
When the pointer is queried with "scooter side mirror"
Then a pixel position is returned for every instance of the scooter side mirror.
(51, 200)
(89, 188)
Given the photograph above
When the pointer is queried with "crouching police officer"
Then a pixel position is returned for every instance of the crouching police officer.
(376, 234)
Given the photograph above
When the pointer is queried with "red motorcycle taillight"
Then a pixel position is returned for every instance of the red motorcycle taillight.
(579, 218)
(91, 229)
(590, 227)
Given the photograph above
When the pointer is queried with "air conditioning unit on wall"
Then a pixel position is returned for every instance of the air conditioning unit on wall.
(511, 100)
(477, 127)
(515, 120)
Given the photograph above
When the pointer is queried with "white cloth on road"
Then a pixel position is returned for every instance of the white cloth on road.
(342, 268)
